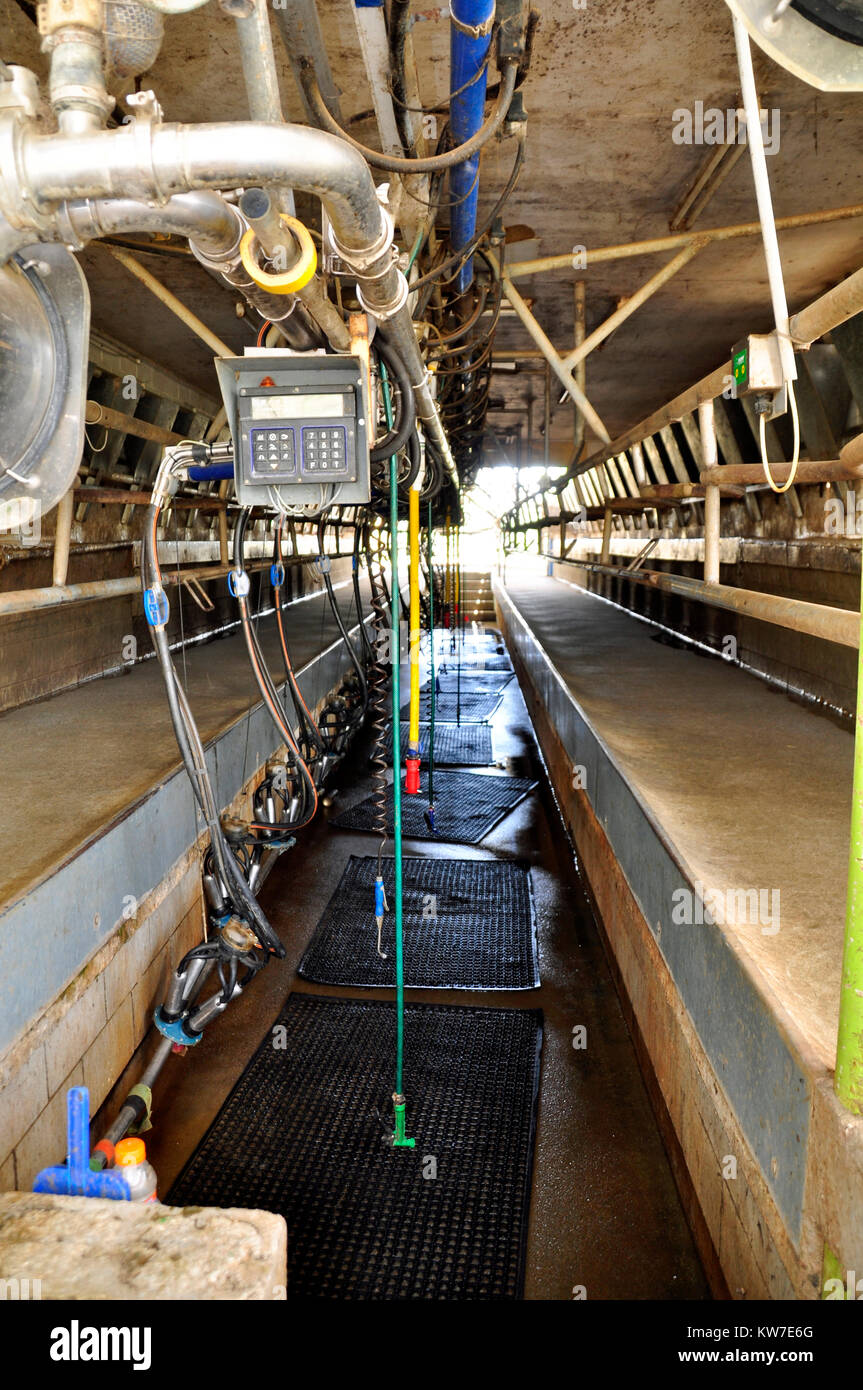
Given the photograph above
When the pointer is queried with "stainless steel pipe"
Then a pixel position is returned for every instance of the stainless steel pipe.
(155, 162)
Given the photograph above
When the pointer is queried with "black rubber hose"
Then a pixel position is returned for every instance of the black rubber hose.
(264, 680)
(429, 164)
(399, 435)
(340, 623)
(435, 474)
(361, 535)
(399, 26)
(191, 751)
(415, 457)
(311, 735)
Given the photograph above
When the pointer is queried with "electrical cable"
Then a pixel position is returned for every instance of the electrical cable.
(264, 681)
(429, 164)
(185, 729)
(762, 439)
(312, 733)
(395, 438)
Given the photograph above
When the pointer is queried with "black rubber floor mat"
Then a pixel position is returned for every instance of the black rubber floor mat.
(469, 653)
(468, 709)
(305, 1132)
(483, 659)
(468, 924)
(455, 745)
(467, 807)
(472, 681)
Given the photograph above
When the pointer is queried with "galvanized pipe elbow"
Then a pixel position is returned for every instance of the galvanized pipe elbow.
(152, 162)
(155, 163)
(202, 217)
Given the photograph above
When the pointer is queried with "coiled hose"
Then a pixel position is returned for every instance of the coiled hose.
(378, 686)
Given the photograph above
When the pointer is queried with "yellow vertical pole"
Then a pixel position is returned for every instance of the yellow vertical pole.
(412, 779)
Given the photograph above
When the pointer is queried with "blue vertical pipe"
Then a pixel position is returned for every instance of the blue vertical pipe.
(467, 56)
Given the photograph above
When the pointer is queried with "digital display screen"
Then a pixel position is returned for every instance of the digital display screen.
(330, 406)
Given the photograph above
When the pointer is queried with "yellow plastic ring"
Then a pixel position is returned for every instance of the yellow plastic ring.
(290, 280)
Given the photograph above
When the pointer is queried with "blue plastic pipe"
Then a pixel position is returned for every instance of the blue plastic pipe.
(467, 56)
(211, 472)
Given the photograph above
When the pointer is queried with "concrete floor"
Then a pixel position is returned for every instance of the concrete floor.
(752, 788)
(605, 1212)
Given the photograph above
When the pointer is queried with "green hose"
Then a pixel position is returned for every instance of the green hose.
(399, 1139)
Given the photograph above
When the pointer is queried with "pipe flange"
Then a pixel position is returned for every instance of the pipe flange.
(18, 203)
(76, 96)
(387, 264)
(54, 15)
(382, 312)
(361, 260)
(229, 258)
(145, 181)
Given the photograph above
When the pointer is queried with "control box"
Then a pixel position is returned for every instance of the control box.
(756, 366)
(299, 422)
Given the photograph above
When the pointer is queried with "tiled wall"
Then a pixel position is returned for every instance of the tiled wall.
(91, 1031)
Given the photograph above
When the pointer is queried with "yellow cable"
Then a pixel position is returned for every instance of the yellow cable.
(457, 549)
(762, 438)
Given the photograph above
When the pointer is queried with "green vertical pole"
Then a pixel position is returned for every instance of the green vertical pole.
(432, 666)
(459, 620)
(849, 1048)
(399, 1138)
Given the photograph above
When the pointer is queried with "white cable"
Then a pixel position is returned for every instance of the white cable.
(25, 482)
(309, 510)
(761, 178)
(102, 447)
(762, 437)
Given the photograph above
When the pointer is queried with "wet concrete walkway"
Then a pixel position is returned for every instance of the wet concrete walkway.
(605, 1212)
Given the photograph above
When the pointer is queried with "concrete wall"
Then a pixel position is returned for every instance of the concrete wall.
(94, 1006)
(54, 649)
(816, 571)
(730, 1079)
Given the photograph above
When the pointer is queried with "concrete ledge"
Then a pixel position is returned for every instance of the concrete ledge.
(76, 1248)
(774, 1166)
(129, 846)
(121, 903)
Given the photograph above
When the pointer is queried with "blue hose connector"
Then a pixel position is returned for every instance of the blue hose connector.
(175, 1029)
